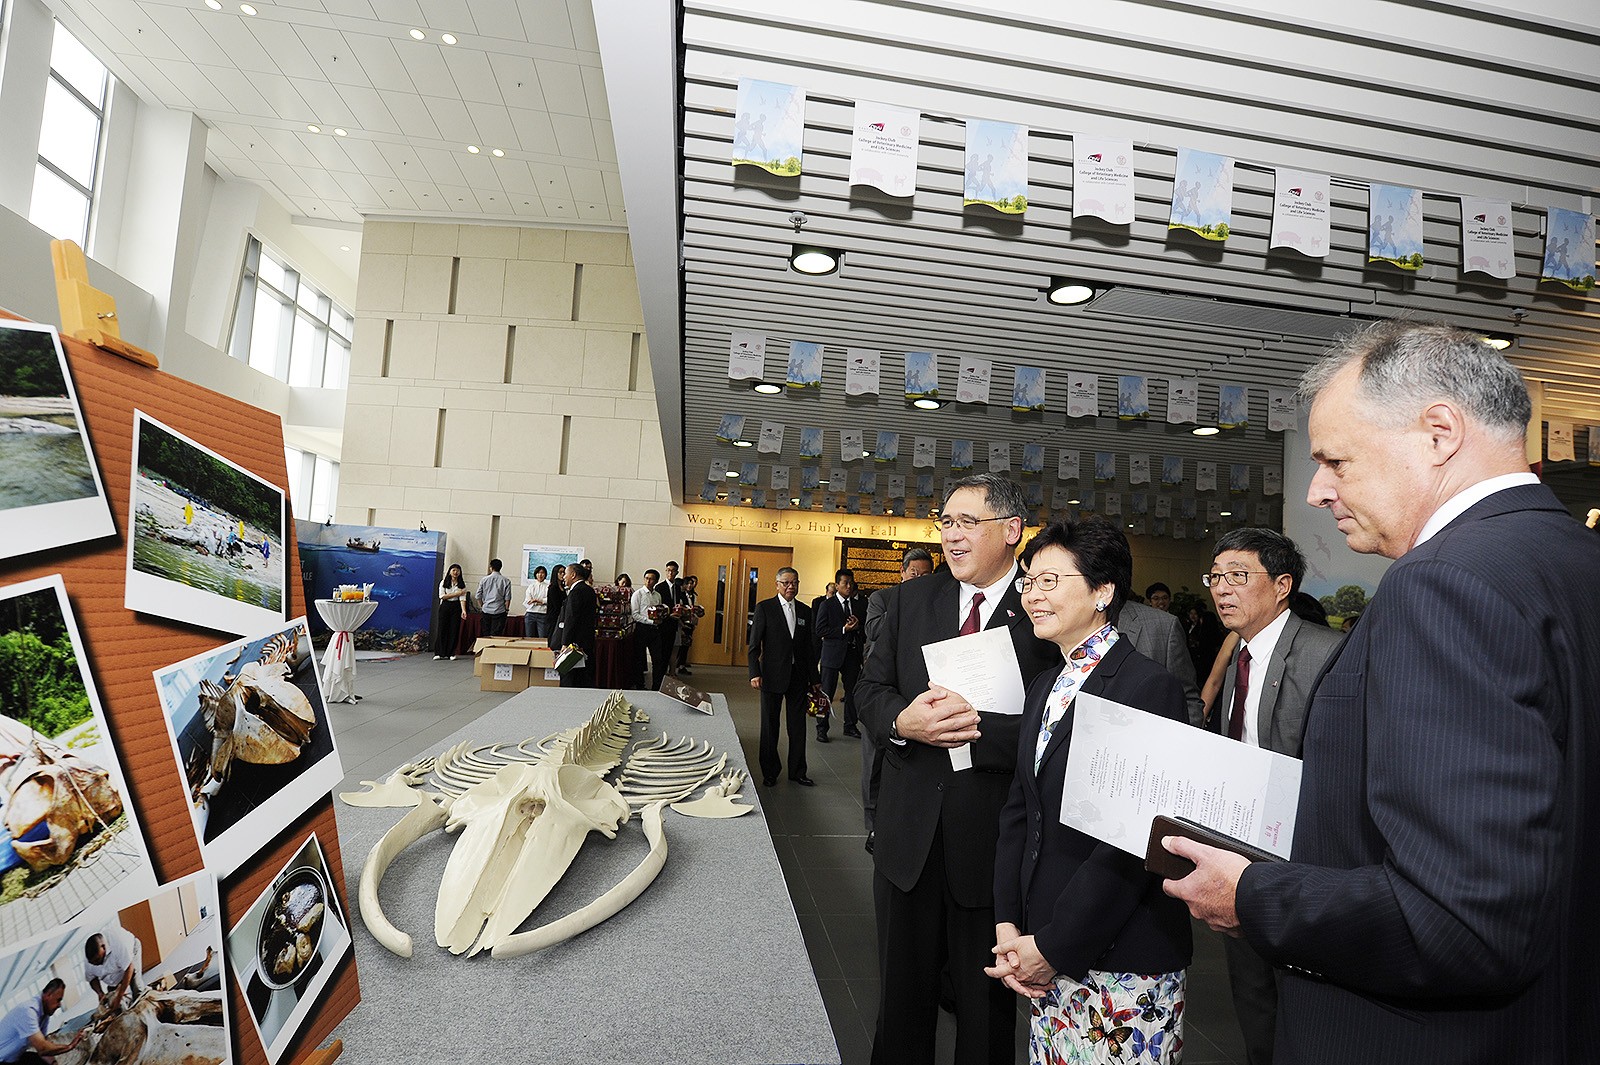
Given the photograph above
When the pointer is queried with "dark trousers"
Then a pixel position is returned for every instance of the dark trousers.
(535, 625)
(919, 931)
(794, 701)
(449, 628)
(578, 678)
(493, 624)
(871, 778)
(1255, 998)
(849, 671)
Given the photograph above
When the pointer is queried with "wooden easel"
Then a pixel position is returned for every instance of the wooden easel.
(87, 314)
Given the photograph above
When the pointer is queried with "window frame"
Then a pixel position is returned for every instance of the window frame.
(98, 110)
(291, 298)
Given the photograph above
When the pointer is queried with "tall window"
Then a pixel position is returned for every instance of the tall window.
(313, 484)
(69, 140)
(286, 327)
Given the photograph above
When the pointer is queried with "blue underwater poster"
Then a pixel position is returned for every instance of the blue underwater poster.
(404, 567)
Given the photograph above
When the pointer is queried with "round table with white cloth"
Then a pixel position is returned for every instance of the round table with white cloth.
(339, 662)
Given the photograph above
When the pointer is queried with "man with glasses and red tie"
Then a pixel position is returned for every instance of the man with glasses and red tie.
(936, 826)
(1263, 702)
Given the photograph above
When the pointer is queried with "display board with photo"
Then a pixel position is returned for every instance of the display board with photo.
(50, 489)
(286, 947)
(249, 728)
(206, 536)
(72, 846)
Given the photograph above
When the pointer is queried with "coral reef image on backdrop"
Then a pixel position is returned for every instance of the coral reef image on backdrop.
(403, 566)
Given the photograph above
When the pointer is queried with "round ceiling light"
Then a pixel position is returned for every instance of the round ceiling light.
(215, 5)
(314, 129)
(1497, 341)
(926, 403)
(1205, 430)
(338, 132)
(247, 9)
(807, 259)
(1065, 292)
(417, 35)
(744, 443)
(767, 388)
(448, 38)
(1073, 502)
(731, 473)
(499, 153)
(473, 148)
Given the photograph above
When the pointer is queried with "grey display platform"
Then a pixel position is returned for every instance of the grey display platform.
(707, 966)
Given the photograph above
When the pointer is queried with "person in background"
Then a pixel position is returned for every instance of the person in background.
(452, 608)
(1158, 597)
(22, 1038)
(916, 562)
(668, 587)
(114, 967)
(689, 598)
(576, 626)
(1077, 920)
(841, 628)
(782, 668)
(555, 599)
(625, 584)
(647, 616)
(494, 599)
(534, 601)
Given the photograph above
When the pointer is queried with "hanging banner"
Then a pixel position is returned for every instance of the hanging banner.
(718, 470)
(784, 500)
(1205, 477)
(735, 495)
(922, 451)
(830, 503)
(897, 487)
(780, 479)
(1058, 497)
(838, 481)
(1594, 445)
(1283, 410)
(922, 375)
(1133, 398)
(807, 500)
(925, 485)
(810, 478)
(1183, 400)
(1301, 212)
(1394, 227)
(1067, 466)
(1105, 467)
(1139, 469)
(883, 153)
(852, 446)
(1202, 194)
(1027, 389)
(747, 357)
(1569, 249)
(1213, 511)
(708, 492)
(1086, 501)
(1187, 508)
(758, 497)
(730, 428)
(888, 449)
(769, 126)
(972, 380)
(1033, 493)
(997, 166)
(1112, 507)
(1136, 527)
(810, 442)
(866, 481)
(1102, 178)
(999, 458)
(1179, 530)
(1163, 508)
(1486, 241)
(1032, 458)
(1233, 406)
(1172, 469)
(1558, 447)
(805, 364)
(1139, 503)
(770, 442)
(1272, 480)
(749, 472)
(861, 371)
(1083, 395)
(961, 454)
(852, 504)
(1238, 478)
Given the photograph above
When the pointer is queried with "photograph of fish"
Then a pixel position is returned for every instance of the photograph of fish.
(249, 729)
(72, 844)
(206, 536)
(404, 567)
(287, 946)
(50, 490)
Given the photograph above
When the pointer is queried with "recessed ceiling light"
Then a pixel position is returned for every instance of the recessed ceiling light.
(215, 5)
(806, 259)
(1073, 502)
(473, 148)
(314, 129)
(731, 473)
(1066, 292)
(1205, 430)
(247, 9)
(794, 501)
(417, 35)
(337, 132)
(926, 403)
(344, 247)
(744, 443)
(1226, 513)
(766, 388)
(1497, 341)
(499, 153)
(448, 38)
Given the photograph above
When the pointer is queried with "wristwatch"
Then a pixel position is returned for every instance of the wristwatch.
(894, 730)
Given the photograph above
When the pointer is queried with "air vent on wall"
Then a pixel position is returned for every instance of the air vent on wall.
(1223, 315)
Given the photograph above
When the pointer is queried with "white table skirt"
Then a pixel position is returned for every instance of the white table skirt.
(339, 661)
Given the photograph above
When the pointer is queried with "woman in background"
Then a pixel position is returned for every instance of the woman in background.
(452, 608)
(556, 598)
(535, 622)
(1081, 929)
(625, 583)
(688, 618)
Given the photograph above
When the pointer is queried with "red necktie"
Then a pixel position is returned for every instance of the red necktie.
(973, 622)
(1241, 689)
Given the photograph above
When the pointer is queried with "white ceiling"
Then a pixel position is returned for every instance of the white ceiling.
(523, 77)
(1452, 97)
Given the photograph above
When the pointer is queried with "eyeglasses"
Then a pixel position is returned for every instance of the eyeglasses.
(788, 584)
(1046, 582)
(1235, 577)
(966, 521)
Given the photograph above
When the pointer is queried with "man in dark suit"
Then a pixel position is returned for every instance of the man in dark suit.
(576, 625)
(936, 827)
(841, 626)
(1263, 703)
(782, 668)
(1437, 906)
(916, 562)
(1157, 635)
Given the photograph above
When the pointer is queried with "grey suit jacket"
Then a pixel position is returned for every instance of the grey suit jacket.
(1158, 636)
(1296, 663)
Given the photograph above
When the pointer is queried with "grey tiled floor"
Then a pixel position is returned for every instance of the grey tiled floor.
(411, 703)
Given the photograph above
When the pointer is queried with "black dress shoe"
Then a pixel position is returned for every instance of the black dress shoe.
(822, 737)
(853, 732)
(804, 782)
(769, 781)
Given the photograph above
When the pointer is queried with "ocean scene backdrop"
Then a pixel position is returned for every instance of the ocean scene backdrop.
(404, 570)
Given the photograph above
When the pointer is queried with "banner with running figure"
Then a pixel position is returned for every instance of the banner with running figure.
(1394, 227)
(1569, 249)
(1202, 194)
(996, 166)
(769, 126)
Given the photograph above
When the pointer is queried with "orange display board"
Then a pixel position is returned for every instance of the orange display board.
(124, 648)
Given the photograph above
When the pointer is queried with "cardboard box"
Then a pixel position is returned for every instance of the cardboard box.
(515, 665)
(484, 642)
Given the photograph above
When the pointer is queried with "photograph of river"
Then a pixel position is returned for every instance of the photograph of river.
(207, 543)
(50, 490)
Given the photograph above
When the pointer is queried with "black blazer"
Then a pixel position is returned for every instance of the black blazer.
(1087, 904)
(1440, 901)
(554, 601)
(782, 663)
(837, 645)
(577, 622)
(920, 792)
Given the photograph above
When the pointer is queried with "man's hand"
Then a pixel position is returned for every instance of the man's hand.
(755, 682)
(940, 718)
(852, 623)
(1209, 890)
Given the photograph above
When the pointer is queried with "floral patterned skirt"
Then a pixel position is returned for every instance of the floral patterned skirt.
(1109, 1019)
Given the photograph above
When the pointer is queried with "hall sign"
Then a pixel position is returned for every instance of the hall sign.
(839, 525)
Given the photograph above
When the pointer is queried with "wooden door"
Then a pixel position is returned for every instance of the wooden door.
(733, 579)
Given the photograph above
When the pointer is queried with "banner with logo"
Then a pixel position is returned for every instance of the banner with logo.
(780, 479)
(1559, 445)
(1112, 507)
(1283, 410)
(770, 442)
(1102, 178)
(1301, 212)
(999, 458)
(1394, 227)
(861, 371)
(769, 126)
(883, 152)
(1272, 480)
(1202, 194)
(972, 380)
(997, 166)
(1139, 468)
(1183, 400)
(1067, 466)
(747, 357)
(1083, 395)
(1487, 246)
(922, 452)
(1205, 477)
(897, 486)
(852, 445)
(1163, 508)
